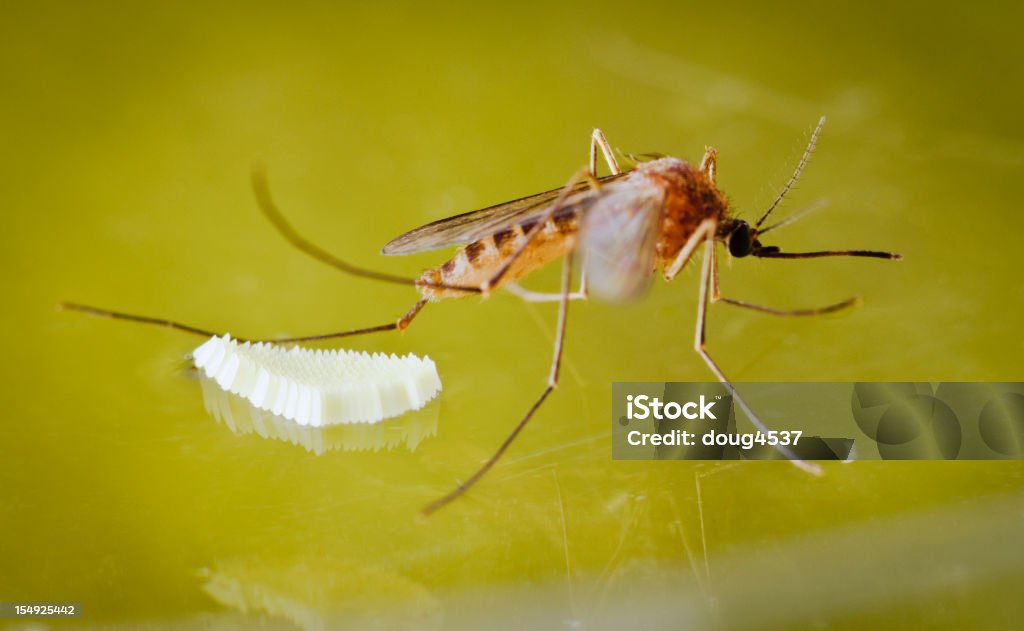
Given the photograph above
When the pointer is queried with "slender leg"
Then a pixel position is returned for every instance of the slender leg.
(716, 293)
(839, 306)
(699, 346)
(276, 218)
(716, 296)
(556, 362)
(538, 296)
(709, 162)
(704, 231)
(116, 315)
(597, 140)
(399, 325)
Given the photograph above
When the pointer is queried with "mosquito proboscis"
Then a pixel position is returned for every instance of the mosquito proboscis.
(625, 226)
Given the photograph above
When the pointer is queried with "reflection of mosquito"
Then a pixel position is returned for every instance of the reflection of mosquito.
(626, 225)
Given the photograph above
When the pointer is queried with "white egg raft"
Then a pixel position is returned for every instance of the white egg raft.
(319, 387)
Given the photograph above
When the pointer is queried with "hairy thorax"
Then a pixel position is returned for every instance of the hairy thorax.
(690, 198)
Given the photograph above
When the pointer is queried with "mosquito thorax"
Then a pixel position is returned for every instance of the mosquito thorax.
(690, 198)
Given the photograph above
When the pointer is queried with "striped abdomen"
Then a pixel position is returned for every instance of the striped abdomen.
(478, 262)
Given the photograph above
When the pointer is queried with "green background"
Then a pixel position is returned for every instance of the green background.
(128, 133)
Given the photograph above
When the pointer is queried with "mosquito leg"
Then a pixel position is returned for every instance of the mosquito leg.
(270, 210)
(556, 362)
(716, 296)
(689, 248)
(116, 315)
(699, 346)
(716, 292)
(413, 311)
(584, 291)
(536, 296)
(839, 306)
(401, 324)
(709, 162)
(597, 140)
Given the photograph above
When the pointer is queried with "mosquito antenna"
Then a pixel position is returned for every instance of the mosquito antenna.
(796, 216)
(272, 213)
(796, 173)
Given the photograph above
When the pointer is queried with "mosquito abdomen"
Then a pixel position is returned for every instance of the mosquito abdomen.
(478, 262)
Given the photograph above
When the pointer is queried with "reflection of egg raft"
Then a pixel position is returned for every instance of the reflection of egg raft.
(906, 421)
(319, 387)
(245, 419)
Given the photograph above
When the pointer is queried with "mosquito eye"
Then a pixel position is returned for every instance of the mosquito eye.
(739, 240)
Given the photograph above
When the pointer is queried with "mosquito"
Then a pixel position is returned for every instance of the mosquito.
(625, 226)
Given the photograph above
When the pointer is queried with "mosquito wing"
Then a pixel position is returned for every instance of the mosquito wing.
(619, 240)
(478, 224)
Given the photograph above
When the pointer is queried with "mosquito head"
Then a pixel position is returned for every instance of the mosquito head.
(740, 237)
